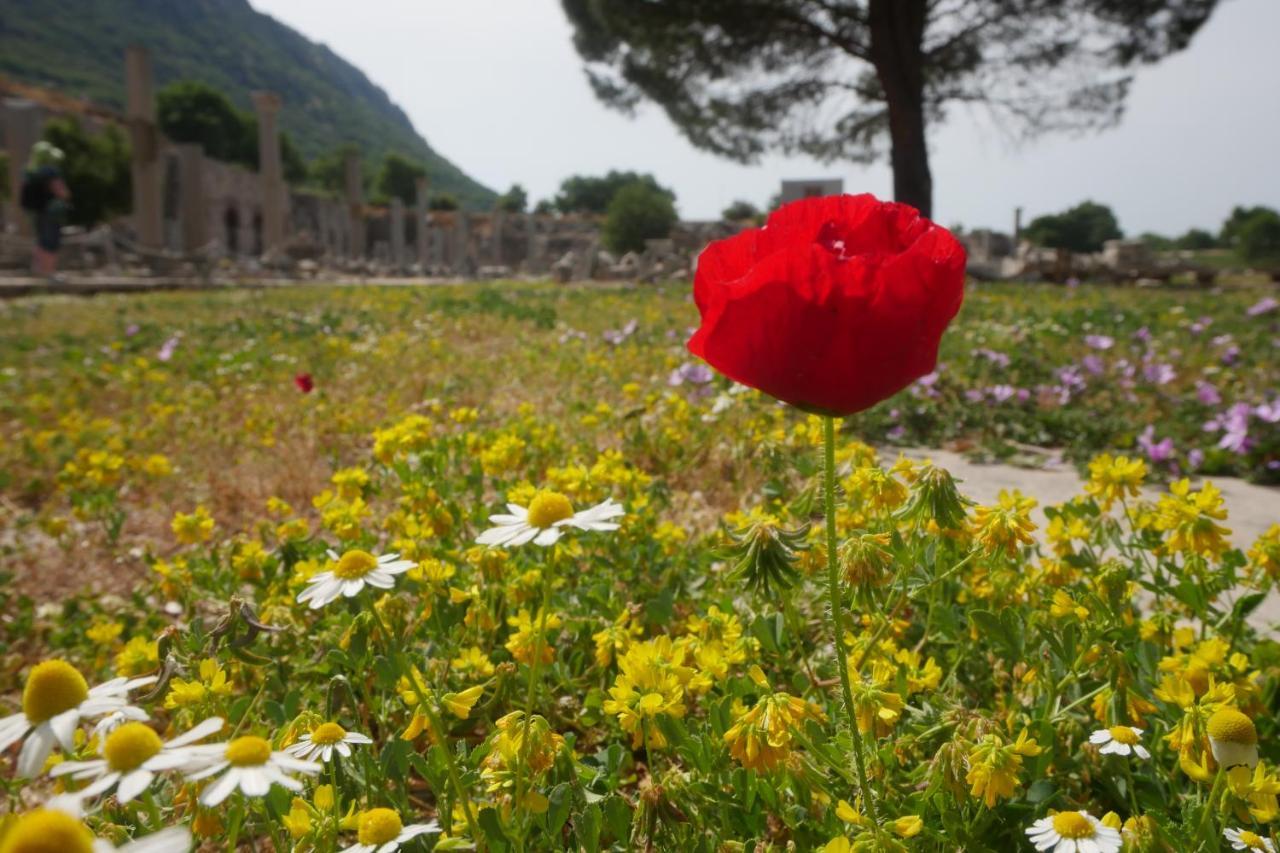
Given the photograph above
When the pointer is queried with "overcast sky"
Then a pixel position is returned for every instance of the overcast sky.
(496, 87)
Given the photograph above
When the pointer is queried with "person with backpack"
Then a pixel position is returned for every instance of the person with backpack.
(46, 199)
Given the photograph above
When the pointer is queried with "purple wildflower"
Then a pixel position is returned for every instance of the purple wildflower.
(693, 372)
(1099, 341)
(1268, 412)
(1159, 373)
(1207, 394)
(1263, 306)
(1235, 426)
(167, 348)
(1157, 451)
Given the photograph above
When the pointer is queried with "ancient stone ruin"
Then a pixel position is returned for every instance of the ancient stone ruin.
(202, 217)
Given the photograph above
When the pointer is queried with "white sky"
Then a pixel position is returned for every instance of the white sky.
(496, 87)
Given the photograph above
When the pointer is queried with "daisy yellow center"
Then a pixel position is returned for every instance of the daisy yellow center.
(1072, 825)
(1228, 724)
(547, 508)
(248, 751)
(130, 745)
(1252, 840)
(1123, 734)
(47, 831)
(52, 687)
(355, 564)
(328, 734)
(378, 826)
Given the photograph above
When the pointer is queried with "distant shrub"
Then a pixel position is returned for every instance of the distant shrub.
(739, 211)
(195, 112)
(1197, 240)
(592, 194)
(1083, 228)
(1234, 224)
(1259, 238)
(398, 178)
(637, 213)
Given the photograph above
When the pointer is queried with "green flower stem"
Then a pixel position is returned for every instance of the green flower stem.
(532, 690)
(153, 809)
(837, 614)
(1206, 818)
(437, 731)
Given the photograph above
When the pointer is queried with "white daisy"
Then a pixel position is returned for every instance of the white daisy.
(351, 572)
(1120, 740)
(1243, 839)
(1074, 832)
(543, 523)
(132, 754)
(54, 701)
(57, 826)
(250, 764)
(1233, 738)
(381, 831)
(324, 740)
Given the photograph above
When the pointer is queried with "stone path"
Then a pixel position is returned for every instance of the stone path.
(1251, 509)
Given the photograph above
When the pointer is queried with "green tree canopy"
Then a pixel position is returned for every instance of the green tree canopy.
(328, 171)
(443, 201)
(190, 111)
(1258, 239)
(95, 168)
(1083, 228)
(1234, 224)
(637, 212)
(1197, 240)
(1156, 242)
(398, 177)
(837, 79)
(739, 211)
(514, 200)
(590, 194)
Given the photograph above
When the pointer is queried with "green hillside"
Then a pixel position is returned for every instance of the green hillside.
(77, 46)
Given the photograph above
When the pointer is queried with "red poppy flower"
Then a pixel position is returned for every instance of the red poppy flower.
(834, 305)
(304, 383)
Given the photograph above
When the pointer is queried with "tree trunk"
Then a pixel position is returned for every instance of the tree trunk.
(897, 39)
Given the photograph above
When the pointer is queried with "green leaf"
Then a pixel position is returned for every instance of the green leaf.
(491, 826)
(1246, 604)
(1002, 629)
(588, 826)
(617, 817)
(559, 801)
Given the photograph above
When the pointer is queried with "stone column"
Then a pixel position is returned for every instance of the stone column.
(462, 239)
(23, 124)
(436, 253)
(355, 202)
(193, 210)
(397, 234)
(147, 167)
(270, 172)
(531, 264)
(421, 187)
(495, 249)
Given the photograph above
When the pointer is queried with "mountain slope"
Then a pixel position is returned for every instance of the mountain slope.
(78, 46)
